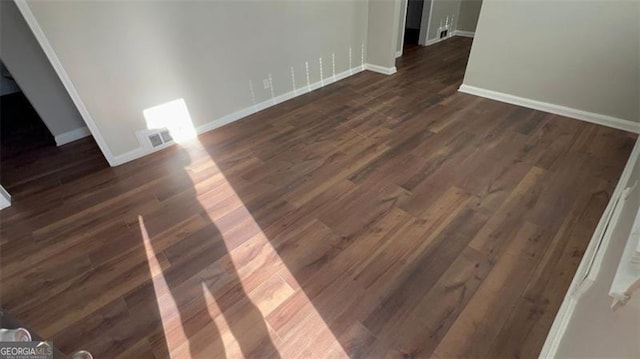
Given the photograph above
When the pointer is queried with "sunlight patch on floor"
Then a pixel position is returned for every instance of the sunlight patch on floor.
(252, 258)
(174, 335)
(249, 259)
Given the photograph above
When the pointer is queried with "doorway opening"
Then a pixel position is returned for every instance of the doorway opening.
(412, 23)
(32, 158)
(21, 128)
(427, 22)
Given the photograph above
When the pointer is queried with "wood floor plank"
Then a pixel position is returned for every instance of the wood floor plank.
(480, 321)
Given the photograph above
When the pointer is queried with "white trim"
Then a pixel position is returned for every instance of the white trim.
(5, 198)
(380, 69)
(427, 25)
(143, 151)
(131, 155)
(435, 41)
(404, 23)
(452, 34)
(73, 135)
(31, 20)
(591, 261)
(463, 33)
(592, 117)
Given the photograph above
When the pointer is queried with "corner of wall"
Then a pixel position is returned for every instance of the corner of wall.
(382, 27)
(42, 39)
(73, 135)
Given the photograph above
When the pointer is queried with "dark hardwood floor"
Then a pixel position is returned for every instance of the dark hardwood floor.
(380, 216)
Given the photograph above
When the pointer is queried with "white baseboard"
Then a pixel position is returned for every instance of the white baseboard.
(463, 33)
(591, 262)
(454, 33)
(143, 151)
(64, 138)
(380, 69)
(592, 117)
(5, 198)
(130, 156)
(435, 41)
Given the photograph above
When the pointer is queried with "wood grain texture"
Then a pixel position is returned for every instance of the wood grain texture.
(380, 216)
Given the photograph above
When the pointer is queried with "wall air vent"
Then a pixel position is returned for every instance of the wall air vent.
(166, 136)
(155, 139)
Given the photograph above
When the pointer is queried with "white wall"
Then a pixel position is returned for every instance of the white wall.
(584, 55)
(125, 57)
(440, 10)
(22, 55)
(383, 25)
(468, 16)
(424, 24)
(461, 14)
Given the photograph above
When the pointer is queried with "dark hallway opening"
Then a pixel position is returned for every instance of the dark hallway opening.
(414, 18)
(27, 146)
(21, 128)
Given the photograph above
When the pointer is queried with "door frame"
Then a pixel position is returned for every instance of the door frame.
(403, 21)
(424, 24)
